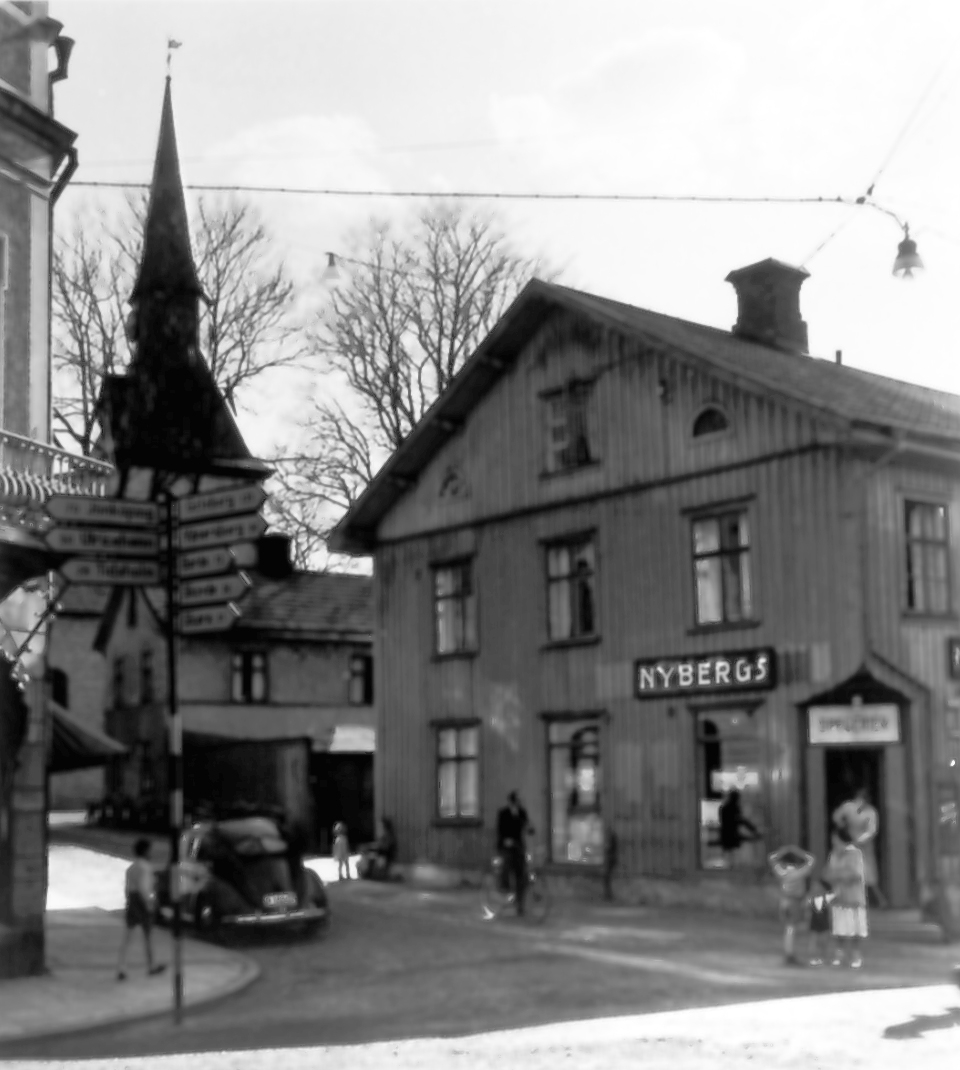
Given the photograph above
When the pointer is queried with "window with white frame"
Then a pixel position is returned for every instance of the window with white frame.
(249, 676)
(455, 608)
(927, 549)
(722, 567)
(458, 770)
(569, 442)
(571, 588)
(361, 680)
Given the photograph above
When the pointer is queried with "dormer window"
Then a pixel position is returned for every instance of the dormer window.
(568, 436)
(711, 421)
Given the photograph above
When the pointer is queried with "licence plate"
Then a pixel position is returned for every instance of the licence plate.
(279, 900)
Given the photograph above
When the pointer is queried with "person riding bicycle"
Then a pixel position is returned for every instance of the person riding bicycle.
(512, 828)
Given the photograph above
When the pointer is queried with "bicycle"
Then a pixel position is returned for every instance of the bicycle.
(497, 892)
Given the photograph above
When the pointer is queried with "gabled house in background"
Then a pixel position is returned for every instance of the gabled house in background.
(629, 564)
(277, 711)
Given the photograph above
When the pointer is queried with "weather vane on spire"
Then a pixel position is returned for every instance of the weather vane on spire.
(171, 45)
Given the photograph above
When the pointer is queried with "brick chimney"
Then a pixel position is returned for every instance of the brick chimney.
(768, 305)
(274, 556)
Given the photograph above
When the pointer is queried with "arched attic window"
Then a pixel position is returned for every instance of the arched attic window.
(710, 421)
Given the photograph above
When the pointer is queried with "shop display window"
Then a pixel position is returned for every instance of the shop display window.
(730, 775)
(576, 825)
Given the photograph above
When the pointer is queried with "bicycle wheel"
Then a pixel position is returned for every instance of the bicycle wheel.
(537, 898)
(492, 896)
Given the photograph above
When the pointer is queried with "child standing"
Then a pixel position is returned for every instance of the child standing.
(341, 851)
(792, 866)
(140, 897)
(818, 907)
(845, 873)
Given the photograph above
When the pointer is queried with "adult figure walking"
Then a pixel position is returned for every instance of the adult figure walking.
(512, 828)
(735, 828)
(861, 820)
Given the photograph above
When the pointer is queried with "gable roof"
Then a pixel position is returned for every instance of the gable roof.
(853, 398)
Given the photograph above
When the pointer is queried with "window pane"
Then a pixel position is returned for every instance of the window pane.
(731, 587)
(469, 788)
(447, 743)
(744, 530)
(447, 784)
(585, 623)
(708, 590)
(746, 588)
(914, 519)
(446, 581)
(448, 631)
(706, 536)
(469, 742)
(730, 531)
(258, 679)
(938, 522)
(236, 684)
(584, 557)
(558, 561)
(560, 618)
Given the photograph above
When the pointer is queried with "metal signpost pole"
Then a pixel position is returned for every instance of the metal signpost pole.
(175, 770)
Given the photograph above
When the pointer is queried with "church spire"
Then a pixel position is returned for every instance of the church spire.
(166, 265)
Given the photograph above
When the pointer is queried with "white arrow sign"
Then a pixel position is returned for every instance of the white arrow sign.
(230, 501)
(219, 532)
(111, 511)
(216, 560)
(120, 573)
(116, 543)
(214, 589)
(207, 619)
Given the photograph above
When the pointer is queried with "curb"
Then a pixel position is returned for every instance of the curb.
(250, 974)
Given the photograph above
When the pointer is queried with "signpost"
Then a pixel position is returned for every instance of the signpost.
(194, 545)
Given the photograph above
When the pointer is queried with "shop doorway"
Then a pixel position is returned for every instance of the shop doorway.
(847, 769)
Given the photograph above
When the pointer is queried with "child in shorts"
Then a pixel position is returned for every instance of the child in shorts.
(792, 866)
(140, 896)
(819, 913)
(341, 851)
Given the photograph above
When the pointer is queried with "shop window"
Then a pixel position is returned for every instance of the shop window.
(361, 680)
(458, 771)
(723, 568)
(710, 422)
(574, 770)
(455, 607)
(568, 438)
(60, 688)
(729, 772)
(249, 682)
(927, 545)
(146, 676)
(571, 589)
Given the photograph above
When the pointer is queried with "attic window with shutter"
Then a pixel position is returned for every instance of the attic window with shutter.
(568, 427)
(711, 421)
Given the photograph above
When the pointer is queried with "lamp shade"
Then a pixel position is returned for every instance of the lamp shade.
(907, 260)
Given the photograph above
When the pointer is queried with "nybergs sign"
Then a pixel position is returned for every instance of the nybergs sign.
(745, 670)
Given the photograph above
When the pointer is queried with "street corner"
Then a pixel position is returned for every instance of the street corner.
(81, 991)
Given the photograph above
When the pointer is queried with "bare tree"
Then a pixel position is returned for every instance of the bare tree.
(415, 303)
(247, 323)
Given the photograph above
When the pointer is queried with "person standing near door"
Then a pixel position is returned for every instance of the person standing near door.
(862, 822)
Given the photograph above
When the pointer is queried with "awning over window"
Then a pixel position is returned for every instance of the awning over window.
(77, 745)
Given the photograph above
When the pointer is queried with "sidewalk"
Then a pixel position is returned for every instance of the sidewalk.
(80, 990)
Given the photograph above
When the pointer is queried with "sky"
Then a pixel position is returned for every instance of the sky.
(744, 98)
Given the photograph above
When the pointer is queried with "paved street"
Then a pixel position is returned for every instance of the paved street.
(400, 964)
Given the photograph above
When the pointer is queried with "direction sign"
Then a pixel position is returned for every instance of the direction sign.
(229, 501)
(116, 543)
(216, 559)
(219, 532)
(207, 619)
(214, 589)
(131, 573)
(83, 509)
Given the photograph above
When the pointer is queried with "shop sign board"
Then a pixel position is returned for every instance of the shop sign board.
(220, 532)
(84, 509)
(953, 657)
(744, 670)
(121, 573)
(856, 725)
(228, 501)
(115, 542)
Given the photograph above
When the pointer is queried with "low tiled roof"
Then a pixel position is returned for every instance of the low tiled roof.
(309, 603)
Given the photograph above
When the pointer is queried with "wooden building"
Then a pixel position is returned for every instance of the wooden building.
(627, 563)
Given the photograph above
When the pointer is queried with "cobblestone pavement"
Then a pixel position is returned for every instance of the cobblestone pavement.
(401, 962)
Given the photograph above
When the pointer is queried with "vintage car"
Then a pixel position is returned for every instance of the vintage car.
(243, 873)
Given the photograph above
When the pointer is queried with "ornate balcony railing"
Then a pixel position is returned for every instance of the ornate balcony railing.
(31, 471)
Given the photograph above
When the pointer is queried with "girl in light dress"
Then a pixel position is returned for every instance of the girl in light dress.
(341, 851)
(845, 873)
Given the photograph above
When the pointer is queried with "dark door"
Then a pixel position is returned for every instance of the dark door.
(846, 770)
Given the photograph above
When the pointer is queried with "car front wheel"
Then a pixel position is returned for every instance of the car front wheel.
(207, 917)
